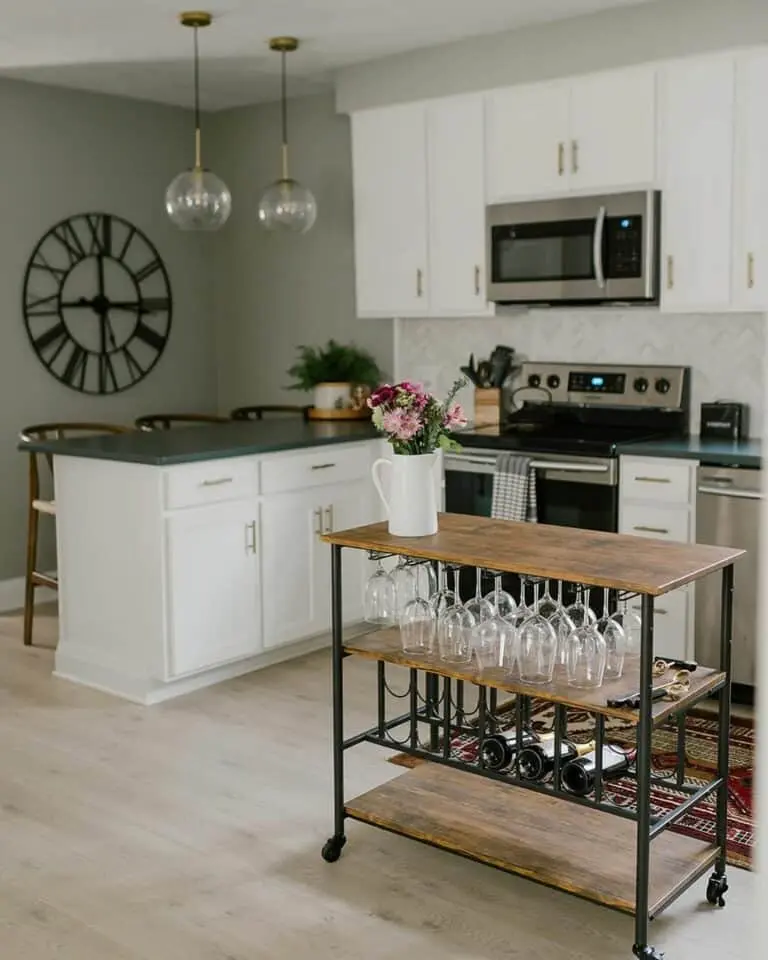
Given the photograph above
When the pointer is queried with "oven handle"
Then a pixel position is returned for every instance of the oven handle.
(597, 248)
(569, 466)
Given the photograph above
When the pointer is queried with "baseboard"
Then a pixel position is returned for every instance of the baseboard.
(12, 594)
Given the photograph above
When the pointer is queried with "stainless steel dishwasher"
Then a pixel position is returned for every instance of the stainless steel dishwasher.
(728, 505)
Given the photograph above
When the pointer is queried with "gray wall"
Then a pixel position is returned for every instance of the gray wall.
(272, 291)
(613, 38)
(63, 153)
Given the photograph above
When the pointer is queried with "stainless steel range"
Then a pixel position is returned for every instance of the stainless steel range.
(572, 420)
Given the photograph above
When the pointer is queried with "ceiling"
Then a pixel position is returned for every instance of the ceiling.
(139, 50)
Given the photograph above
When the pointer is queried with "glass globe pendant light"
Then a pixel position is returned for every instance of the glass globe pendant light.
(197, 199)
(286, 204)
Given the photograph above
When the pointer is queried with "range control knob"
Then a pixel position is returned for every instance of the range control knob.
(553, 381)
(640, 384)
(662, 385)
(534, 380)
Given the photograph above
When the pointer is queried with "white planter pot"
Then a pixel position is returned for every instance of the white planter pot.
(332, 396)
(412, 504)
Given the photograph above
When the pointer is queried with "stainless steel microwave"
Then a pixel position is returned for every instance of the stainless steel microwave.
(575, 250)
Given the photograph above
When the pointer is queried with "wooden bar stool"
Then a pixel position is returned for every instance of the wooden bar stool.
(167, 421)
(38, 505)
(257, 413)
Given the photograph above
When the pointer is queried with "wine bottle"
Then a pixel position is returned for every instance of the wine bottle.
(578, 774)
(500, 750)
(537, 761)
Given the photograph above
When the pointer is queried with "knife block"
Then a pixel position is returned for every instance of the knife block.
(487, 406)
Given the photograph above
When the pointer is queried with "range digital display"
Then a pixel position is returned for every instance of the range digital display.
(596, 382)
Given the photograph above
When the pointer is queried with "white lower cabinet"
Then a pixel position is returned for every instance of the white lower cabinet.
(657, 499)
(213, 589)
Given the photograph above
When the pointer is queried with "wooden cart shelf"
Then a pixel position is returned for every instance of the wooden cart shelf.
(385, 645)
(542, 838)
(589, 557)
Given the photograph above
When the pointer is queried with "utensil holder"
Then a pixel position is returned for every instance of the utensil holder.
(487, 406)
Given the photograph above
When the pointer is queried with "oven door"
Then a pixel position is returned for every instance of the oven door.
(570, 491)
(577, 250)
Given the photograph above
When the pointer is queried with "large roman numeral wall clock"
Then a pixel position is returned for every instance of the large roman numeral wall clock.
(97, 303)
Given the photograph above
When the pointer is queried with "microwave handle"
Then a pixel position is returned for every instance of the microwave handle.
(597, 248)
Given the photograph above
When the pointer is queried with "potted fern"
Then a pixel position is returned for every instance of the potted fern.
(339, 375)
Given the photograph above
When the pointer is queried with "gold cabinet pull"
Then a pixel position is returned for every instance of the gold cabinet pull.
(250, 537)
(670, 271)
(477, 281)
(653, 479)
(560, 159)
(419, 283)
(328, 520)
(574, 156)
(750, 270)
(317, 513)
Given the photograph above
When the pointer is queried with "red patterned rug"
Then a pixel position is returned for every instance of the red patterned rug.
(701, 765)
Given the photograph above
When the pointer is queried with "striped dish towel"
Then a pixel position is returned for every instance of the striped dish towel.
(514, 489)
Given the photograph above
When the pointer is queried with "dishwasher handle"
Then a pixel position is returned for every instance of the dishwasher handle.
(730, 492)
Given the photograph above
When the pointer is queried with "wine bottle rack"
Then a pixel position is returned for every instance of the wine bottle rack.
(538, 829)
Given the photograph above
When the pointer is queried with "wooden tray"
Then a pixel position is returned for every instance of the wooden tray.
(346, 414)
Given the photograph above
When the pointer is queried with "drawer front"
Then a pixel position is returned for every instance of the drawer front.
(660, 480)
(670, 624)
(212, 481)
(337, 463)
(660, 523)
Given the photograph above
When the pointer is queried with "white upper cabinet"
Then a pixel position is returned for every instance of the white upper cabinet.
(697, 130)
(389, 158)
(750, 236)
(613, 130)
(526, 141)
(456, 179)
(585, 134)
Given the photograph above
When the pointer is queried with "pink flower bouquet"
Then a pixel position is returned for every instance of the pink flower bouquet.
(414, 421)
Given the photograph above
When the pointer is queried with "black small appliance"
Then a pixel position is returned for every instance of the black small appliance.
(724, 420)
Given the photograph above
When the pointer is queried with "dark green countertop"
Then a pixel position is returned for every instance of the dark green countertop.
(743, 453)
(210, 442)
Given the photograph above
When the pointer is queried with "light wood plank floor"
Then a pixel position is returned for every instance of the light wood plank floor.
(192, 831)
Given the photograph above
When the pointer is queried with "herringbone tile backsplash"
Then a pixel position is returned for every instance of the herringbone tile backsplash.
(725, 351)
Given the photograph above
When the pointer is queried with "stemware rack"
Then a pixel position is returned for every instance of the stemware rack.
(622, 857)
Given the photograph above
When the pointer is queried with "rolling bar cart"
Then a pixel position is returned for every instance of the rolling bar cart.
(622, 857)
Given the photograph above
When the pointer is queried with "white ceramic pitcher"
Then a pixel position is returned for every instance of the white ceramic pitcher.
(412, 503)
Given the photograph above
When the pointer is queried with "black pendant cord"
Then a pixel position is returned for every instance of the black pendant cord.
(197, 102)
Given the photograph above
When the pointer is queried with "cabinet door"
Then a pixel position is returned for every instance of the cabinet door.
(750, 263)
(697, 105)
(613, 130)
(389, 157)
(526, 141)
(212, 570)
(295, 593)
(456, 178)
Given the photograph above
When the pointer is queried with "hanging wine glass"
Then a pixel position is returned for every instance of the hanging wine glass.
(522, 611)
(547, 607)
(586, 654)
(537, 647)
(405, 585)
(562, 625)
(503, 602)
(454, 629)
(426, 579)
(417, 628)
(632, 624)
(442, 598)
(579, 611)
(379, 603)
(480, 608)
(615, 641)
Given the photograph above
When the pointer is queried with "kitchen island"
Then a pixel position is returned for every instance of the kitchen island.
(189, 556)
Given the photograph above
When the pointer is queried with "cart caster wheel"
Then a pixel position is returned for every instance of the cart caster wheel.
(647, 953)
(716, 890)
(332, 849)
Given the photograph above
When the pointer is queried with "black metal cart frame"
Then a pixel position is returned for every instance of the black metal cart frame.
(438, 707)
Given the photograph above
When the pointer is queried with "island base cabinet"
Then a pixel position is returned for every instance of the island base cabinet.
(212, 586)
(296, 568)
